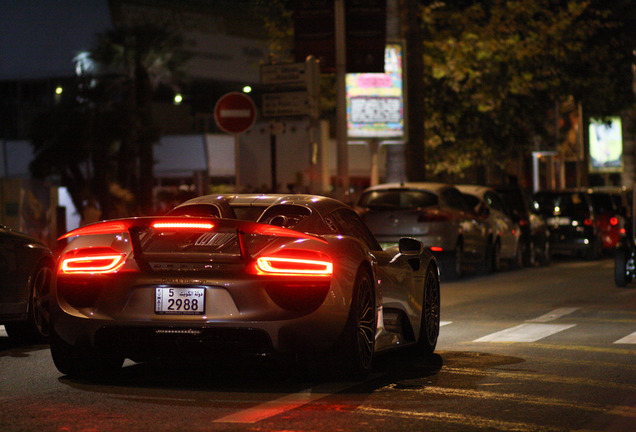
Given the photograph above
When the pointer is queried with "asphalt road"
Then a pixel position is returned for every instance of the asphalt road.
(541, 349)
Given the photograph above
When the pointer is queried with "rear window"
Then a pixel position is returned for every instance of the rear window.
(570, 204)
(402, 199)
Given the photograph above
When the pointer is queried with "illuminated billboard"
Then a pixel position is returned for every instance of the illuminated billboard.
(606, 146)
(375, 101)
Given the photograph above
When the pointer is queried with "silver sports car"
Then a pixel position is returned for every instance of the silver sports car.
(289, 276)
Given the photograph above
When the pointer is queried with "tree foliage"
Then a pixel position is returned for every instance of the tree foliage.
(494, 69)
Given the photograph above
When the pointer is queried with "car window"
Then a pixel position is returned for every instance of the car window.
(603, 203)
(402, 199)
(454, 198)
(496, 202)
(284, 215)
(196, 210)
(350, 224)
(572, 204)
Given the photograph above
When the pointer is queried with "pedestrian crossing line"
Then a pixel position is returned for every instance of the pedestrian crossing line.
(3, 332)
(544, 378)
(555, 314)
(629, 339)
(525, 333)
(584, 348)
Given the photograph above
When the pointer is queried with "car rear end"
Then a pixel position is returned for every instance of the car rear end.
(571, 221)
(168, 287)
(394, 213)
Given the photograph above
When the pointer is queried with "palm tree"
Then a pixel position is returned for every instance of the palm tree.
(132, 63)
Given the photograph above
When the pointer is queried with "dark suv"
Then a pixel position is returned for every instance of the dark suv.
(574, 228)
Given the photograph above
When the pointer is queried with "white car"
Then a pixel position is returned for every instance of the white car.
(504, 238)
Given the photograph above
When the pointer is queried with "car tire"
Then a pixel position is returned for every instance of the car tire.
(546, 254)
(82, 362)
(456, 264)
(357, 344)
(429, 328)
(36, 327)
(620, 267)
(495, 257)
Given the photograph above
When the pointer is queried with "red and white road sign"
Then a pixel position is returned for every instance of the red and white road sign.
(235, 112)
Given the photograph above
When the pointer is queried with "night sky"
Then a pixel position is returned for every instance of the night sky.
(39, 38)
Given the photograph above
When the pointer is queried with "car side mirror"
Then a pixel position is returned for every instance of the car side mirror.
(410, 246)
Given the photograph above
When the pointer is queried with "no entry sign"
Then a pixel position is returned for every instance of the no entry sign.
(235, 112)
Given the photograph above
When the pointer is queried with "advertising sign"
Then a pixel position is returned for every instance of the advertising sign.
(606, 146)
(375, 101)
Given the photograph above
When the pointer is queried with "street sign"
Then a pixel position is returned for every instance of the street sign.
(281, 104)
(235, 112)
(283, 73)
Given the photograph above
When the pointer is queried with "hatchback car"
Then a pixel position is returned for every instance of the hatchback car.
(26, 269)
(504, 232)
(610, 216)
(437, 214)
(574, 228)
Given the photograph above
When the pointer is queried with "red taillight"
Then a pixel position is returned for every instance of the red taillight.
(294, 264)
(588, 222)
(613, 221)
(111, 227)
(524, 222)
(436, 249)
(91, 261)
(434, 215)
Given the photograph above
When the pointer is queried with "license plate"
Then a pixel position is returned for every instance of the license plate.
(559, 221)
(180, 301)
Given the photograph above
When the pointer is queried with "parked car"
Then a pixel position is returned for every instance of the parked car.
(535, 235)
(286, 276)
(437, 214)
(574, 228)
(610, 219)
(26, 269)
(504, 233)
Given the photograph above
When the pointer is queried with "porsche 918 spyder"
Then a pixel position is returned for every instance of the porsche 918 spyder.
(288, 276)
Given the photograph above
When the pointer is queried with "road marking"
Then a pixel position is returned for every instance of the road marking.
(555, 314)
(525, 333)
(285, 403)
(3, 332)
(443, 323)
(468, 421)
(629, 339)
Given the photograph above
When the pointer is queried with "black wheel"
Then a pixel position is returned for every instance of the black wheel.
(358, 340)
(620, 266)
(36, 328)
(82, 362)
(517, 260)
(546, 254)
(429, 329)
(456, 265)
(529, 254)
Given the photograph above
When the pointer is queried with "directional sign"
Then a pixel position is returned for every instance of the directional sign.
(235, 112)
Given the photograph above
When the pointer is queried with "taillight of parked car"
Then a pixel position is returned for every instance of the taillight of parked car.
(97, 260)
(613, 221)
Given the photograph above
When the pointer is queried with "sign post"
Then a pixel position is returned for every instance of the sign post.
(235, 113)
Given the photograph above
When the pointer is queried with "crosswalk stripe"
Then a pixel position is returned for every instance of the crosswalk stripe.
(555, 314)
(629, 339)
(3, 332)
(525, 333)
